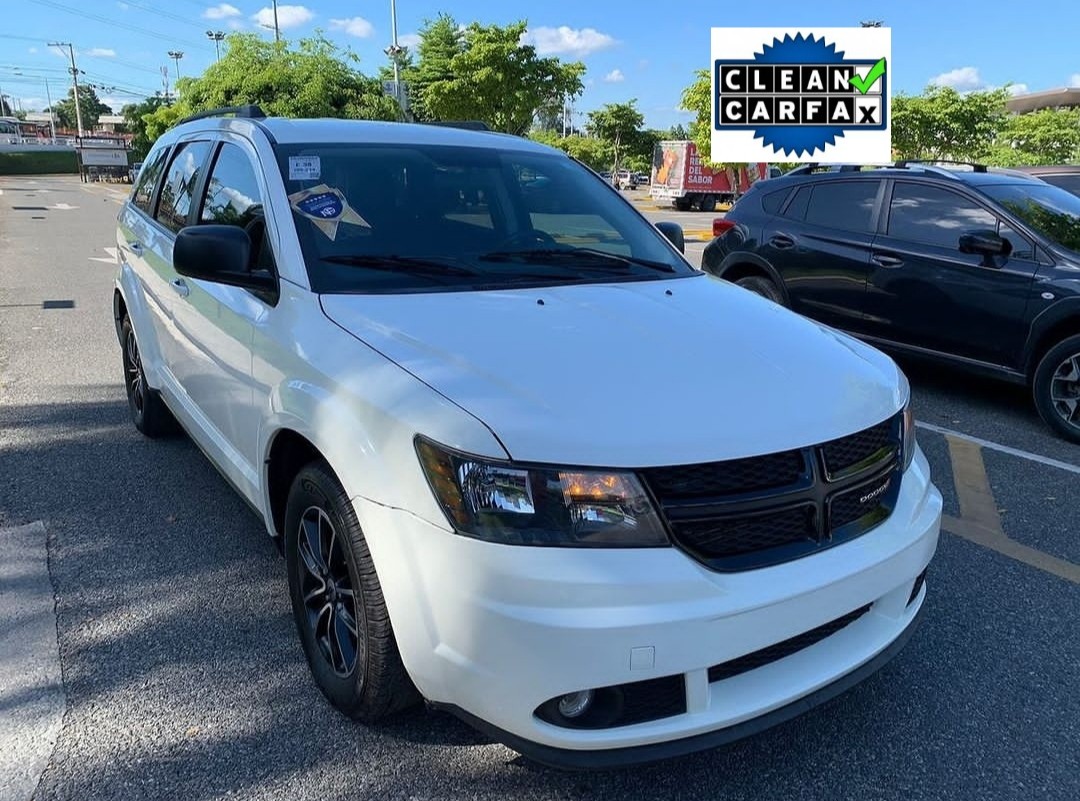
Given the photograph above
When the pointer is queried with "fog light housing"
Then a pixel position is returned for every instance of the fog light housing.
(574, 705)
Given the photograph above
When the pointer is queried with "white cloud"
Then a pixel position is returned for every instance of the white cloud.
(615, 76)
(1074, 79)
(223, 11)
(962, 79)
(236, 24)
(31, 103)
(116, 103)
(354, 26)
(287, 16)
(123, 6)
(565, 40)
(100, 52)
(1018, 89)
(410, 40)
(31, 50)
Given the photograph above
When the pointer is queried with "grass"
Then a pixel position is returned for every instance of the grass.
(45, 162)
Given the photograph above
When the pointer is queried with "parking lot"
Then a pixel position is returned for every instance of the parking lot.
(182, 675)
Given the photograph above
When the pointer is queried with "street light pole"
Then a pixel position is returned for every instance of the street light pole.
(217, 36)
(277, 30)
(176, 55)
(75, 81)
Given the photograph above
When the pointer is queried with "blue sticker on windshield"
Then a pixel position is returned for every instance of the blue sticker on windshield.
(325, 206)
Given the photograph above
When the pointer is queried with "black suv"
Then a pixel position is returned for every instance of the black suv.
(977, 268)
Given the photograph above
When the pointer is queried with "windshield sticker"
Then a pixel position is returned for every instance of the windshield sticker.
(327, 208)
(305, 168)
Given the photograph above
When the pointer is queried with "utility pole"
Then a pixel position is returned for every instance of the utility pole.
(75, 81)
(277, 30)
(52, 111)
(176, 55)
(217, 36)
(395, 52)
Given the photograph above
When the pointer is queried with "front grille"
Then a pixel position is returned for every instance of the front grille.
(755, 512)
(846, 454)
(735, 536)
(773, 653)
(727, 478)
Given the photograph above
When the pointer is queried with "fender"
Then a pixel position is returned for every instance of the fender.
(1062, 310)
(745, 257)
(128, 289)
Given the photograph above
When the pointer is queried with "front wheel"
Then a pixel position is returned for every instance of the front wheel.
(148, 411)
(763, 286)
(338, 603)
(1057, 388)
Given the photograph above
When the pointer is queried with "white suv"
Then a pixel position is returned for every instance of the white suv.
(522, 460)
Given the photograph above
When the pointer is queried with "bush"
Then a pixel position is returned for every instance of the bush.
(41, 162)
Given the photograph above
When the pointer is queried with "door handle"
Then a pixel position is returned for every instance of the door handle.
(134, 247)
(885, 260)
(181, 287)
(782, 242)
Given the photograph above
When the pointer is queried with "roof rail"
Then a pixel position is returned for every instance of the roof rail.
(975, 166)
(814, 166)
(467, 125)
(249, 111)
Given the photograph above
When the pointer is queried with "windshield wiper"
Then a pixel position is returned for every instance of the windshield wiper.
(406, 265)
(592, 255)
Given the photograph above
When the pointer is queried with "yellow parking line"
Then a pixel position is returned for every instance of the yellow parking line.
(980, 521)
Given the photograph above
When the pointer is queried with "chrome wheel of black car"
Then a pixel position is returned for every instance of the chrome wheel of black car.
(1065, 390)
(136, 383)
(328, 592)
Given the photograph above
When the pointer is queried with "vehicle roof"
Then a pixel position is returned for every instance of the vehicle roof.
(335, 131)
(965, 176)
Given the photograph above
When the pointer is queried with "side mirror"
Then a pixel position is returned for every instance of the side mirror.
(674, 233)
(985, 242)
(218, 253)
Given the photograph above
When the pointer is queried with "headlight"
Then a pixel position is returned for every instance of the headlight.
(907, 431)
(529, 505)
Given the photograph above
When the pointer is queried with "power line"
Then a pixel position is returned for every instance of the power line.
(117, 23)
(157, 12)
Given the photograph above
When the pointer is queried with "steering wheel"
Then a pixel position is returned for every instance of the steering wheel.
(529, 237)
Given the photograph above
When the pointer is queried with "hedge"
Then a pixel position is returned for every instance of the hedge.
(44, 162)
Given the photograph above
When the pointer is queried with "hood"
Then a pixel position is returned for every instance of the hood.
(632, 374)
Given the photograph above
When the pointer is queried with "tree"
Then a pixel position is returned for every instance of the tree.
(593, 152)
(441, 39)
(134, 114)
(677, 132)
(618, 124)
(697, 97)
(1050, 136)
(942, 123)
(91, 106)
(314, 80)
(496, 79)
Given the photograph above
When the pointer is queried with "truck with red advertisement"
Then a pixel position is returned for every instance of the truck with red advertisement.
(680, 178)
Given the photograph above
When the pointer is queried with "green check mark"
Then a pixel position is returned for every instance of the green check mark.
(864, 84)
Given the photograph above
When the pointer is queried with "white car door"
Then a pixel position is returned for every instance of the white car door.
(215, 322)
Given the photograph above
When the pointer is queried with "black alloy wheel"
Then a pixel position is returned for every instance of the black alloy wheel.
(148, 411)
(1056, 387)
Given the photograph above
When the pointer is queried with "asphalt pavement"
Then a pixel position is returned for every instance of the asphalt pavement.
(183, 678)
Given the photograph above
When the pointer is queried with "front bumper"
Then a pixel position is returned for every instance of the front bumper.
(494, 631)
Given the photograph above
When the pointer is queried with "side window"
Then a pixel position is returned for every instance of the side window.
(796, 209)
(1022, 248)
(845, 205)
(934, 216)
(772, 202)
(143, 193)
(179, 186)
(233, 198)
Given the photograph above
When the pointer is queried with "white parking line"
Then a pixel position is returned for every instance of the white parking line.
(997, 446)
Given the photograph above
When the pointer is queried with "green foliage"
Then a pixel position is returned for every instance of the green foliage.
(1050, 136)
(697, 97)
(596, 153)
(677, 132)
(162, 119)
(91, 106)
(314, 80)
(38, 162)
(491, 77)
(619, 125)
(135, 123)
(441, 39)
(942, 123)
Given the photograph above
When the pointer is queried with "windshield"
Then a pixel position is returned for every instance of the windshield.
(1051, 211)
(402, 218)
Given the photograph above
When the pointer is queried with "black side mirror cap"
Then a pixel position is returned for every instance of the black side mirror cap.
(218, 253)
(985, 242)
(674, 233)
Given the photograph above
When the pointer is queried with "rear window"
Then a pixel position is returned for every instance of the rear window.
(772, 202)
(845, 205)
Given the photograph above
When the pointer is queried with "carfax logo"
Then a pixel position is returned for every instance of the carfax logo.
(801, 95)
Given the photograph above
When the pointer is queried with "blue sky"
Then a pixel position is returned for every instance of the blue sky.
(632, 48)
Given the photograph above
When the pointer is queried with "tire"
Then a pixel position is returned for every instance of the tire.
(708, 203)
(1057, 388)
(360, 674)
(763, 286)
(148, 411)
(682, 204)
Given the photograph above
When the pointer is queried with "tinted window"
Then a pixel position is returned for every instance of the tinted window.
(1051, 211)
(772, 202)
(426, 218)
(233, 197)
(1021, 245)
(1069, 182)
(148, 176)
(797, 207)
(847, 205)
(935, 216)
(179, 186)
